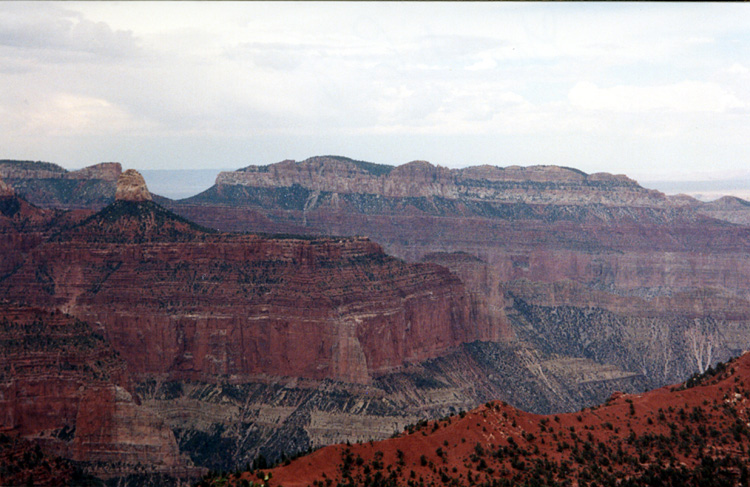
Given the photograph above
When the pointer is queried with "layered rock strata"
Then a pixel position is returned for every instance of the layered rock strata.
(694, 433)
(209, 305)
(49, 185)
(182, 304)
(550, 237)
(540, 184)
(222, 425)
(132, 187)
(244, 305)
(63, 387)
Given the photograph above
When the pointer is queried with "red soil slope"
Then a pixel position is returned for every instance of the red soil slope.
(690, 433)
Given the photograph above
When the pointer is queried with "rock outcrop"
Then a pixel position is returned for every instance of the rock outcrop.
(225, 424)
(132, 187)
(48, 185)
(63, 386)
(5, 190)
(539, 184)
(729, 208)
(185, 305)
(256, 308)
(178, 300)
(562, 287)
(656, 269)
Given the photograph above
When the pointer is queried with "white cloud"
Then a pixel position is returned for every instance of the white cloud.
(739, 69)
(54, 34)
(330, 70)
(685, 96)
(66, 114)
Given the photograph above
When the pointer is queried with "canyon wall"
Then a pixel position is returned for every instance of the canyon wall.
(181, 304)
(627, 258)
(543, 286)
(49, 185)
(246, 305)
(64, 387)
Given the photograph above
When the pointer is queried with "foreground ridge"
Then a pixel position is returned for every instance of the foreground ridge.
(692, 434)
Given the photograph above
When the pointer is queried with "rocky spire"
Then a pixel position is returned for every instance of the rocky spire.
(132, 187)
(5, 189)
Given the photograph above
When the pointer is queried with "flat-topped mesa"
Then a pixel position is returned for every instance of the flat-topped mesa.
(106, 171)
(132, 187)
(513, 184)
(48, 185)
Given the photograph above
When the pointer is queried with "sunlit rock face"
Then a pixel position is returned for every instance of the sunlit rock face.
(132, 187)
(541, 248)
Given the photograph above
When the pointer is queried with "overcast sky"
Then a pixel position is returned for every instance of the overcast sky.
(656, 91)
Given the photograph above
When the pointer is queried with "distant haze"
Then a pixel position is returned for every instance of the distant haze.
(704, 190)
(183, 183)
(659, 91)
(179, 184)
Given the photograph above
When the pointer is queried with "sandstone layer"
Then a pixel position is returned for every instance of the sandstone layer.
(49, 185)
(541, 184)
(184, 305)
(63, 387)
(562, 287)
(208, 305)
(652, 269)
(132, 187)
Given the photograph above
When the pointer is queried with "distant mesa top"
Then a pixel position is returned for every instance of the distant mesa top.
(132, 187)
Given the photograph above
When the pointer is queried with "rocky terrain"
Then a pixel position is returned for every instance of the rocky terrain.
(544, 287)
(550, 253)
(63, 387)
(245, 344)
(694, 433)
(48, 185)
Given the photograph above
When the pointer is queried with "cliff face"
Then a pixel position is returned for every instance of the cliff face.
(24, 226)
(221, 425)
(49, 185)
(62, 386)
(541, 184)
(562, 287)
(544, 236)
(177, 299)
(246, 305)
(229, 316)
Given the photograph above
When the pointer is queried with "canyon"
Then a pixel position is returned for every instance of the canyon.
(367, 297)
(591, 265)
(694, 433)
(65, 389)
(235, 344)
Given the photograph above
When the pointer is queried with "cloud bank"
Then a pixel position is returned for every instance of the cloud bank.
(637, 88)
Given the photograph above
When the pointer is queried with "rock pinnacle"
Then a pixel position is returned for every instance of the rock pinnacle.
(132, 187)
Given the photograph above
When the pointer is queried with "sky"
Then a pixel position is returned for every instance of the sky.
(655, 91)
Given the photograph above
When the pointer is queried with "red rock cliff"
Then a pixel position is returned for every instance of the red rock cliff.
(198, 305)
(62, 386)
